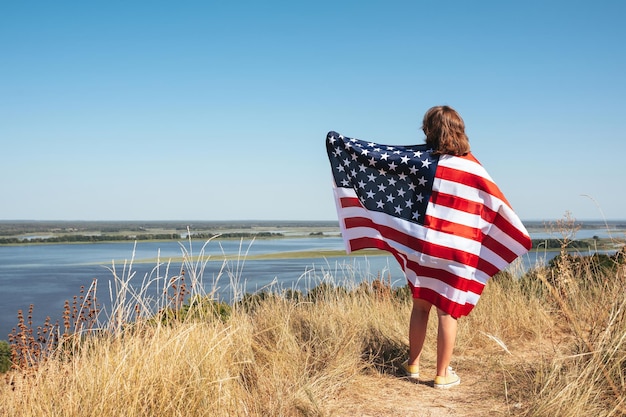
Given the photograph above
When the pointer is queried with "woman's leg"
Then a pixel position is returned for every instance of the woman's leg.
(446, 337)
(417, 329)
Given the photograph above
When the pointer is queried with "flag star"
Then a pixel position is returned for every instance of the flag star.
(413, 171)
(417, 154)
(409, 204)
(345, 183)
(384, 156)
(422, 181)
(361, 184)
(353, 173)
(392, 166)
(362, 168)
(371, 177)
(354, 156)
(390, 198)
(396, 152)
(380, 204)
(347, 145)
(382, 187)
(337, 152)
(416, 215)
(364, 152)
(419, 197)
(382, 172)
(402, 176)
(371, 194)
(398, 210)
(412, 186)
(341, 168)
(372, 162)
(371, 144)
(392, 181)
(404, 159)
(332, 139)
(390, 148)
(401, 192)
(426, 163)
(376, 149)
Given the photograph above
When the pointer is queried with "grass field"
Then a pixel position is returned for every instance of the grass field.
(549, 344)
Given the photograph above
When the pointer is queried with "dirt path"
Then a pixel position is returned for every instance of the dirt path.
(387, 395)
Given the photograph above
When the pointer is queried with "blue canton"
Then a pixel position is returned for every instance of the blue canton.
(396, 180)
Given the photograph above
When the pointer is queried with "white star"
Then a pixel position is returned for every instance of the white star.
(392, 181)
(371, 144)
(362, 168)
(382, 172)
(364, 152)
(384, 156)
(382, 187)
(419, 197)
(380, 204)
(413, 170)
(370, 194)
(412, 186)
(337, 151)
(390, 198)
(422, 181)
(404, 159)
(401, 192)
(332, 139)
(354, 156)
(341, 168)
(398, 210)
(409, 204)
(361, 184)
(390, 148)
(402, 176)
(372, 162)
(371, 177)
(392, 166)
(426, 163)
(345, 183)
(416, 215)
(417, 154)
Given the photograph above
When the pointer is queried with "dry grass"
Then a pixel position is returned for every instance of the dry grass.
(551, 343)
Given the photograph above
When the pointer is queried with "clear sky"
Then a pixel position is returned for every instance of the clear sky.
(218, 110)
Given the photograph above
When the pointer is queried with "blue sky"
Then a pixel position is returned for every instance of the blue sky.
(219, 110)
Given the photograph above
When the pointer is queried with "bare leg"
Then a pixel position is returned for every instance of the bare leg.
(417, 329)
(446, 337)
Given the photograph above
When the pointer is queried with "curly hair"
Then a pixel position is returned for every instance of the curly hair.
(445, 131)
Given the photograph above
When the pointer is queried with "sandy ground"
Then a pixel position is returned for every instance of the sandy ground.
(481, 393)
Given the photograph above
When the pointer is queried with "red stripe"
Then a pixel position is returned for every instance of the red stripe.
(460, 283)
(350, 202)
(456, 203)
(452, 228)
(456, 310)
(467, 178)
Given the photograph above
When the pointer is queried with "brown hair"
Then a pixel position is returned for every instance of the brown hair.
(445, 131)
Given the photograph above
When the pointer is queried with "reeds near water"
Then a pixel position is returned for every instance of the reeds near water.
(547, 342)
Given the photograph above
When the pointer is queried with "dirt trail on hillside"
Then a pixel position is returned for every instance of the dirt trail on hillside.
(481, 393)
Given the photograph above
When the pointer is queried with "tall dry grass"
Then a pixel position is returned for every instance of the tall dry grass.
(549, 342)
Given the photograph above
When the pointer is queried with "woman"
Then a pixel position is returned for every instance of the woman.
(445, 134)
(438, 212)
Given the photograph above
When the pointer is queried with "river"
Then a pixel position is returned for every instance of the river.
(47, 275)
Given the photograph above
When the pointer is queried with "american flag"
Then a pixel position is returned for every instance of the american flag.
(441, 216)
